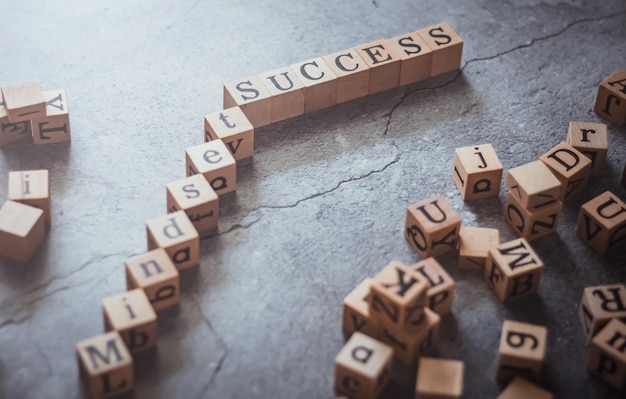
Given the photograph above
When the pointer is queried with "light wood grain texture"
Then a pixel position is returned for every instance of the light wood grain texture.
(196, 197)
(251, 95)
(415, 56)
(215, 162)
(570, 166)
(287, 93)
(384, 65)
(534, 185)
(606, 355)
(32, 187)
(602, 223)
(600, 304)
(477, 172)
(22, 230)
(592, 140)
(474, 244)
(439, 379)
(522, 350)
(155, 273)
(177, 236)
(54, 127)
(446, 45)
(432, 227)
(356, 312)
(24, 101)
(611, 98)
(353, 74)
(531, 224)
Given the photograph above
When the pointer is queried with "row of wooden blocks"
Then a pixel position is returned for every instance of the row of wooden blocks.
(27, 111)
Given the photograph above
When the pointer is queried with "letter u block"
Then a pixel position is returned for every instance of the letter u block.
(534, 223)
(522, 350)
(570, 166)
(432, 227)
(356, 312)
(196, 197)
(177, 236)
(606, 355)
(602, 223)
(233, 128)
(54, 127)
(10, 132)
(477, 172)
(611, 99)
(215, 162)
(599, 305)
(155, 273)
(591, 139)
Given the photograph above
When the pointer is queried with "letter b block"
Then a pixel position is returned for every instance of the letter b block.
(215, 162)
(611, 99)
(175, 233)
(602, 223)
(606, 356)
(477, 172)
(599, 305)
(522, 350)
(155, 273)
(432, 227)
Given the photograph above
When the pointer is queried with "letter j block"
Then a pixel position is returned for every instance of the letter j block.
(477, 172)
(432, 227)
(602, 223)
(175, 233)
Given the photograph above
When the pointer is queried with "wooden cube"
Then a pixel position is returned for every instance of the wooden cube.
(474, 243)
(432, 227)
(534, 223)
(522, 350)
(407, 347)
(22, 230)
(196, 197)
(440, 292)
(155, 273)
(132, 316)
(353, 74)
(606, 355)
(602, 223)
(356, 312)
(252, 97)
(175, 233)
(513, 270)
(320, 84)
(32, 187)
(54, 127)
(105, 365)
(439, 379)
(447, 47)
(415, 56)
(570, 166)
(534, 185)
(215, 162)
(10, 132)
(233, 128)
(477, 172)
(623, 182)
(520, 388)
(611, 99)
(599, 305)
(591, 139)
(24, 101)
(287, 93)
(383, 63)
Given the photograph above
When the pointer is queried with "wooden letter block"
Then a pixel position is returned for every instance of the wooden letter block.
(407, 347)
(196, 197)
(287, 93)
(591, 139)
(175, 233)
(233, 128)
(155, 273)
(31, 187)
(54, 127)
(531, 224)
(215, 162)
(356, 312)
(534, 185)
(520, 388)
(474, 244)
(599, 305)
(440, 292)
(22, 230)
(132, 316)
(513, 270)
(611, 99)
(522, 350)
(353, 74)
(570, 166)
(252, 97)
(320, 84)
(439, 379)
(10, 132)
(24, 101)
(606, 356)
(105, 365)
(447, 47)
(415, 55)
(477, 172)
(432, 227)
(384, 65)
(602, 223)
(362, 367)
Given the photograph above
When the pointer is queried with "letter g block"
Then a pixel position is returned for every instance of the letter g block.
(522, 350)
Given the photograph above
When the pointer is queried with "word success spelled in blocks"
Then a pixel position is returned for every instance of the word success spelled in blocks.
(522, 350)
(155, 273)
(606, 356)
(233, 128)
(611, 99)
(11, 132)
(602, 223)
(570, 166)
(175, 233)
(474, 244)
(432, 227)
(356, 312)
(599, 305)
(54, 127)
(590, 139)
(196, 197)
(439, 378)
(22, 230)
(31, 187)
(215, 162)
(477, 172)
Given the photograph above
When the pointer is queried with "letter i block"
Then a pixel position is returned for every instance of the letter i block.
(105, 365)
(287, 93)
(513, 270)
(383, 63)
(155, 273)
(196, 197)
(55, 126)
(132, 316)
(24, 101)
(602, 223)
(362, 367)
(599, 305)
(356, 312)
(606, 356)
(531, 224)
(415, 55)
(353, 74)
(477, 172)
(522, 350)
(22, 230)
(591, 139)
(233, 128)
(407, 347)
(31, 187)
(320, 84)
(175, 233)
(215, 162)
(440, 292)
(534, 185)
(520, 388)
(447, 47)
(432, 227)
(10, 132)
(611, 99)
(439, 379)
(474, 244)
(570, 166)
(252, 97)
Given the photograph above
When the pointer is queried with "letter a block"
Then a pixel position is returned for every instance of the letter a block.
(477, 172)
(24, 101)
(175, 234)
(534, 185)
(570, 166)
(591, 139)
(531, 224)
(432, 227)
(196, 197)
(606, 356)
(362, 367)
(215, 162)
(155, 273)
(599, 305)
(356, 312)
(383, 63)
(408, 346)
(252, 97)
(105, 365)
(54, 127)
(520, 388)
(10, 132)
(440, 292)
(31, 187)
(611, 99)
(233, 128)
(353, 74)
(522, 350)
(602, 223)
(474, 244)
(447, 47)
(22, 230)
(439, 379)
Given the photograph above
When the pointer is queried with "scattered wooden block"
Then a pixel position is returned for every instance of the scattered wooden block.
(155, 273)
(407, 347)
(432, 227)
(520, 388)
(513, 270)
(522, 350)
(624, 177)
(606, 356)
(602, 223)
(415, 56)
(440, 292)
(105, 365)
(32, 187)
(24, 101)
(353, 74)
(54, 126)
(11, 132)
(233, 128)
(591, 139)
(320, 84)
(447, 47)
(252, 97)
(362, 367)
(439, 378)
(287, 93)
(474, 244)
(384, 65)
(356, 312)
(531, 224)
(215, 162)
(477, 172)
(599, 305)
(196, 197)
(175, 233)
(22, 230)
(132, 316)
(570, 166)
(611, 99)
(534, 185)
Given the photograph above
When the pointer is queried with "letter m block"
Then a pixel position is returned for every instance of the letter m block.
(602, 223)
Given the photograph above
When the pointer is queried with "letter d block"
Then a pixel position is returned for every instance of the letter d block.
(10, 132)
(175, 234)
(156, 275)
(606, 356)
(105, 365)
(362, 367)
(233, 128)
(522, 350)
(531, 224)
(591, 139)
(432, 227)
(356, 312)
(215, 162)
(570, 166)
(31, 187)
(477, 172)
(602, 223)
(22, 230)
(611, 99)
(55, 126)
(599, 305)
(196, 197)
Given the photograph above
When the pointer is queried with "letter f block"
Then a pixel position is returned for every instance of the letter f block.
(432, 227)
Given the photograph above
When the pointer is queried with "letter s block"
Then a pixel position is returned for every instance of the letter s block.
(570, 166)
(522, 350)
(155, 273)
(54, 127)
(252, 97)
(611, 99)
(432, 227)
(599, 305)
(606, 356)
(175, 233)
(447, 47)
(196, 197)
(477, 172)
(215, 162)
(602, 223)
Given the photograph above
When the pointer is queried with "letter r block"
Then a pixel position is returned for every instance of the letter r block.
(196, 197)
(175, 233)
(599, 305)
(602, 223)
(155, 273)
(432, 227)
(606, 355)
(522, 350)
(54, 127)
(611, 99)
(233, 128)
(215, 162)
(591, 139)
(477, 172)
(570, 166)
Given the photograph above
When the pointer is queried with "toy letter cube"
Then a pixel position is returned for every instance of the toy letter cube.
(599, 305)
(353, 74)
(32, 187)
(432, 227)
(252, 97)
(602, 223)
(356, 312)
(611, 99)
(22, 230)
(591, 139)
(175, 233)
(24, 101)
(477, 172)
(522, 350)
(447, 47)
(534, 185)
(214, 161)
(439, 378)
(570, 166)
(54, 127)
(474, 244)
(606, 356)
(440, 292)
(534, 223)
(233, 128)
(155, 273)
(196, 197)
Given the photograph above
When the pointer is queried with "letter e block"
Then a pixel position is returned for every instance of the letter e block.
(54, 127)
(570, 166)
(439, 378)
(408, 346)
(356, 312)
(287, 93)
(10, 132)
(606, 355)
(447, 47)
(440, 292)
(22, 230)
(534, 223)
(155, 273)
(602, 223)
(477, 172)
(353, 74)
(196, 197)
(24, 101)
(252, 97)
(432, 227)
(383, 63)
(415, 55)
(534, 185)
(611, 99)
(599, 305)
(175, 233)
(320, 84)
(520, 388)
(591, 139)
(215, 162)
(31, 187)
(233, 128)
(522, 350)
(474, 244)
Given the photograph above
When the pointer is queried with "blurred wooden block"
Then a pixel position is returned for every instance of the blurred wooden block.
(446, 45)
(353, 74)
(22, 230)
(415, 56)
(320, 84)
(522, 350)
(252, 97)
(215, 162)
(54, 126)
(570, 166)
(175, 233)
(440, 292)
(531, 224)
(155, 273)
(602, 223)
(24, 101)
(534, 185)
(384, 65)
(611, 99)
(132, 316)
(520, 388)
(432, 227)
(439, 378)
(606, 355)
(234, 129)
(624, 177)
(599, 305)
(287, 93)
(474, 244)
(196, 197)
(356, 312)
(32, 187)
(105, 365)
(477, 172)
(407, 347)
(11, 132)
(591, 139)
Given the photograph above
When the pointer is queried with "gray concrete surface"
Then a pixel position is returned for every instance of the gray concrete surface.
(319, 207)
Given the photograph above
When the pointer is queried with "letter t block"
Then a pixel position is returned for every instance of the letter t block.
(432, 227)
(522, 350)
(233, 128)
